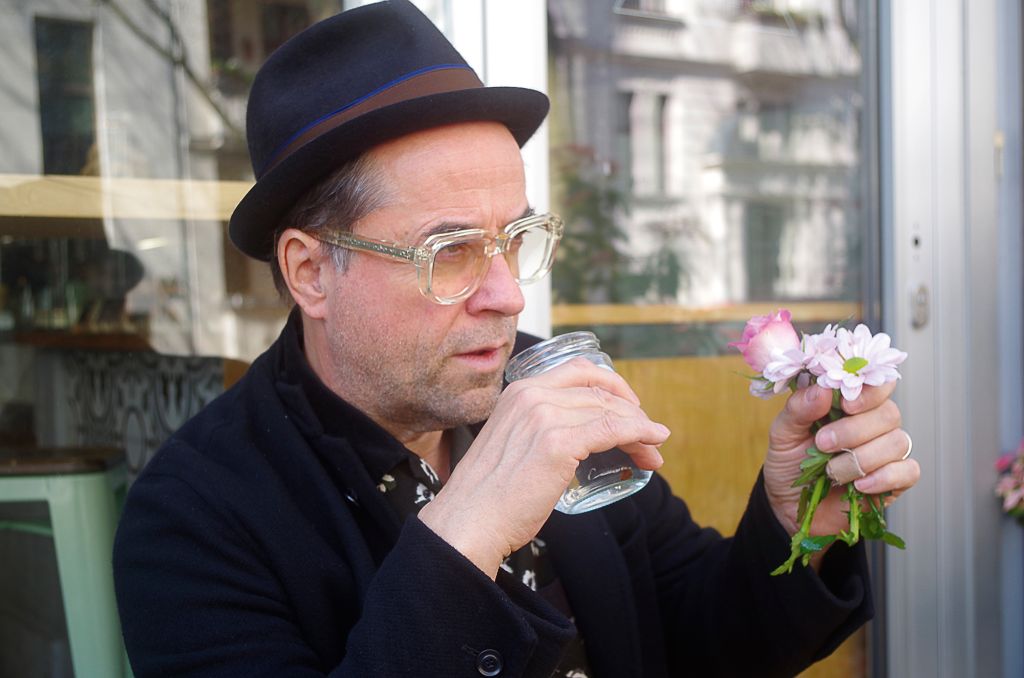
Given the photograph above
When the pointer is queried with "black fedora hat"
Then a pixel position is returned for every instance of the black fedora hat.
(347, 84)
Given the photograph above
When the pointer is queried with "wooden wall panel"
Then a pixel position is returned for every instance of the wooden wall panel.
(719, 434)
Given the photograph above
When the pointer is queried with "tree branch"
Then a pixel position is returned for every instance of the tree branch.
(176, 58)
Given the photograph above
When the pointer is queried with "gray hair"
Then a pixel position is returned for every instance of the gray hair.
(340, 199)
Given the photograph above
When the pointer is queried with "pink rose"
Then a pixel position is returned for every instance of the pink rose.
(765, 335)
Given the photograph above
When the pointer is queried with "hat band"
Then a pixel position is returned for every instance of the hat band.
(421, 83)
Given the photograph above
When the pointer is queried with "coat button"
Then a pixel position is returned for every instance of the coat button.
(488, 663)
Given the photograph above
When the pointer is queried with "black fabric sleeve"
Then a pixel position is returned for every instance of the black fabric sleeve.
(724, 614)
(197, 599)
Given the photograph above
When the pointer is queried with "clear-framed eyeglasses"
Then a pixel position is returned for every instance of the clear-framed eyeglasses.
(451, 265)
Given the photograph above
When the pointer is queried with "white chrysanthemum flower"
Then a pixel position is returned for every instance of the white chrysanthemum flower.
(860, 358)
(815, 346)
(783, 366)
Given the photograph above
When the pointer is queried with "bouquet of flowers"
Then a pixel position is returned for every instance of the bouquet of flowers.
(1010, 486)
(841, 360)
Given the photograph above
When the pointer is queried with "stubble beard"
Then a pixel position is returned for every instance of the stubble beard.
(420, 387)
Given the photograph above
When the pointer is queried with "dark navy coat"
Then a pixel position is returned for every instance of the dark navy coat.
(255, 543)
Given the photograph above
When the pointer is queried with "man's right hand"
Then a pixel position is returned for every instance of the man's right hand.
(506, 486)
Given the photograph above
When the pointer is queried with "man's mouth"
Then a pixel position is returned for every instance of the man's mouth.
(485, 352)
(484, 356)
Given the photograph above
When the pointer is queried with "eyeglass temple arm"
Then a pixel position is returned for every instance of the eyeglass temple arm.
(373, 246)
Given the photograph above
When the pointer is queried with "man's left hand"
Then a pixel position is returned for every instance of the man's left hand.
(871, 428)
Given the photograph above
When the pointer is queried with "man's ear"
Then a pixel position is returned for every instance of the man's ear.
(303, 267)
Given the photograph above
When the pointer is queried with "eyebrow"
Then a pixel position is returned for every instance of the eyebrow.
(451, 227)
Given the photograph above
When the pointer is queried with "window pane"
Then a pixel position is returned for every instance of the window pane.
(66, 109)
(707, 157)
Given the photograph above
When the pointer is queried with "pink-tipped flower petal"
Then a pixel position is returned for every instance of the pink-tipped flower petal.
(764, 335)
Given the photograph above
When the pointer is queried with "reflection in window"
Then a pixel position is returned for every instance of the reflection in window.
(624, 139)
(659, 150)
(280, 22)
(652, 6)
(66, 110)
(734, 134)
(763, 230)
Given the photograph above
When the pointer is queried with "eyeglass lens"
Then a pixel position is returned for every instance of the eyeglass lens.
(458, 266)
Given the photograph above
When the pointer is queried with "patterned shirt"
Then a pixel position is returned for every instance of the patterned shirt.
(412, 483)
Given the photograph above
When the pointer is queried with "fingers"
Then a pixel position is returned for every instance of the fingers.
(882, 461)
(581, 410)
(870, 398)
(893, 477)
(637, 436)
(582, 372)
(856, 430)
(592, 420)
(808, 405)
(802, 409)
(598, 406)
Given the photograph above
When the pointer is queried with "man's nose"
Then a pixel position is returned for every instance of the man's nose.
(498, 291)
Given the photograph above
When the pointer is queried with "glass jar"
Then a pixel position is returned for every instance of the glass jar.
(603, 477)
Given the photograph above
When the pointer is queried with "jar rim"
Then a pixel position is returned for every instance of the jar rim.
(551, 352)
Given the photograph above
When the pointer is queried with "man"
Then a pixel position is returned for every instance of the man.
(342, 512)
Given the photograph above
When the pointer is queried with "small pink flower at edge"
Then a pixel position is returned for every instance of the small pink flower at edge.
(1012, 499)
(764, 335)
(1004, 462)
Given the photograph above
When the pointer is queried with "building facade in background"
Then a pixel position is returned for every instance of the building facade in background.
(726, 137)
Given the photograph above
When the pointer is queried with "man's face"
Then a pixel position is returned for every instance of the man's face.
(408, 362)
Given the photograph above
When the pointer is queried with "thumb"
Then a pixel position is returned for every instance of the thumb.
(802, 409)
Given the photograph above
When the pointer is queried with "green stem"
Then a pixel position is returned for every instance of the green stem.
(797, 547)
(853, 497)
(812, 506)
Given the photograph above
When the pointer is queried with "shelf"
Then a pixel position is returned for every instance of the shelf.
(656, 314)
(62, 197)
(93, 341)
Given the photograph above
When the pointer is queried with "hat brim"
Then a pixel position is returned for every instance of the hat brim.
(259, 212)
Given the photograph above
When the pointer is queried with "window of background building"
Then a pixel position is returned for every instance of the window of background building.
(66, 108)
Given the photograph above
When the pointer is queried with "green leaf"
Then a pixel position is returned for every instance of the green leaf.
(813, 454)
(870, 527)
(855, 364)
(815, 544)
(892, 540)
(812, 466)
(809, 477)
